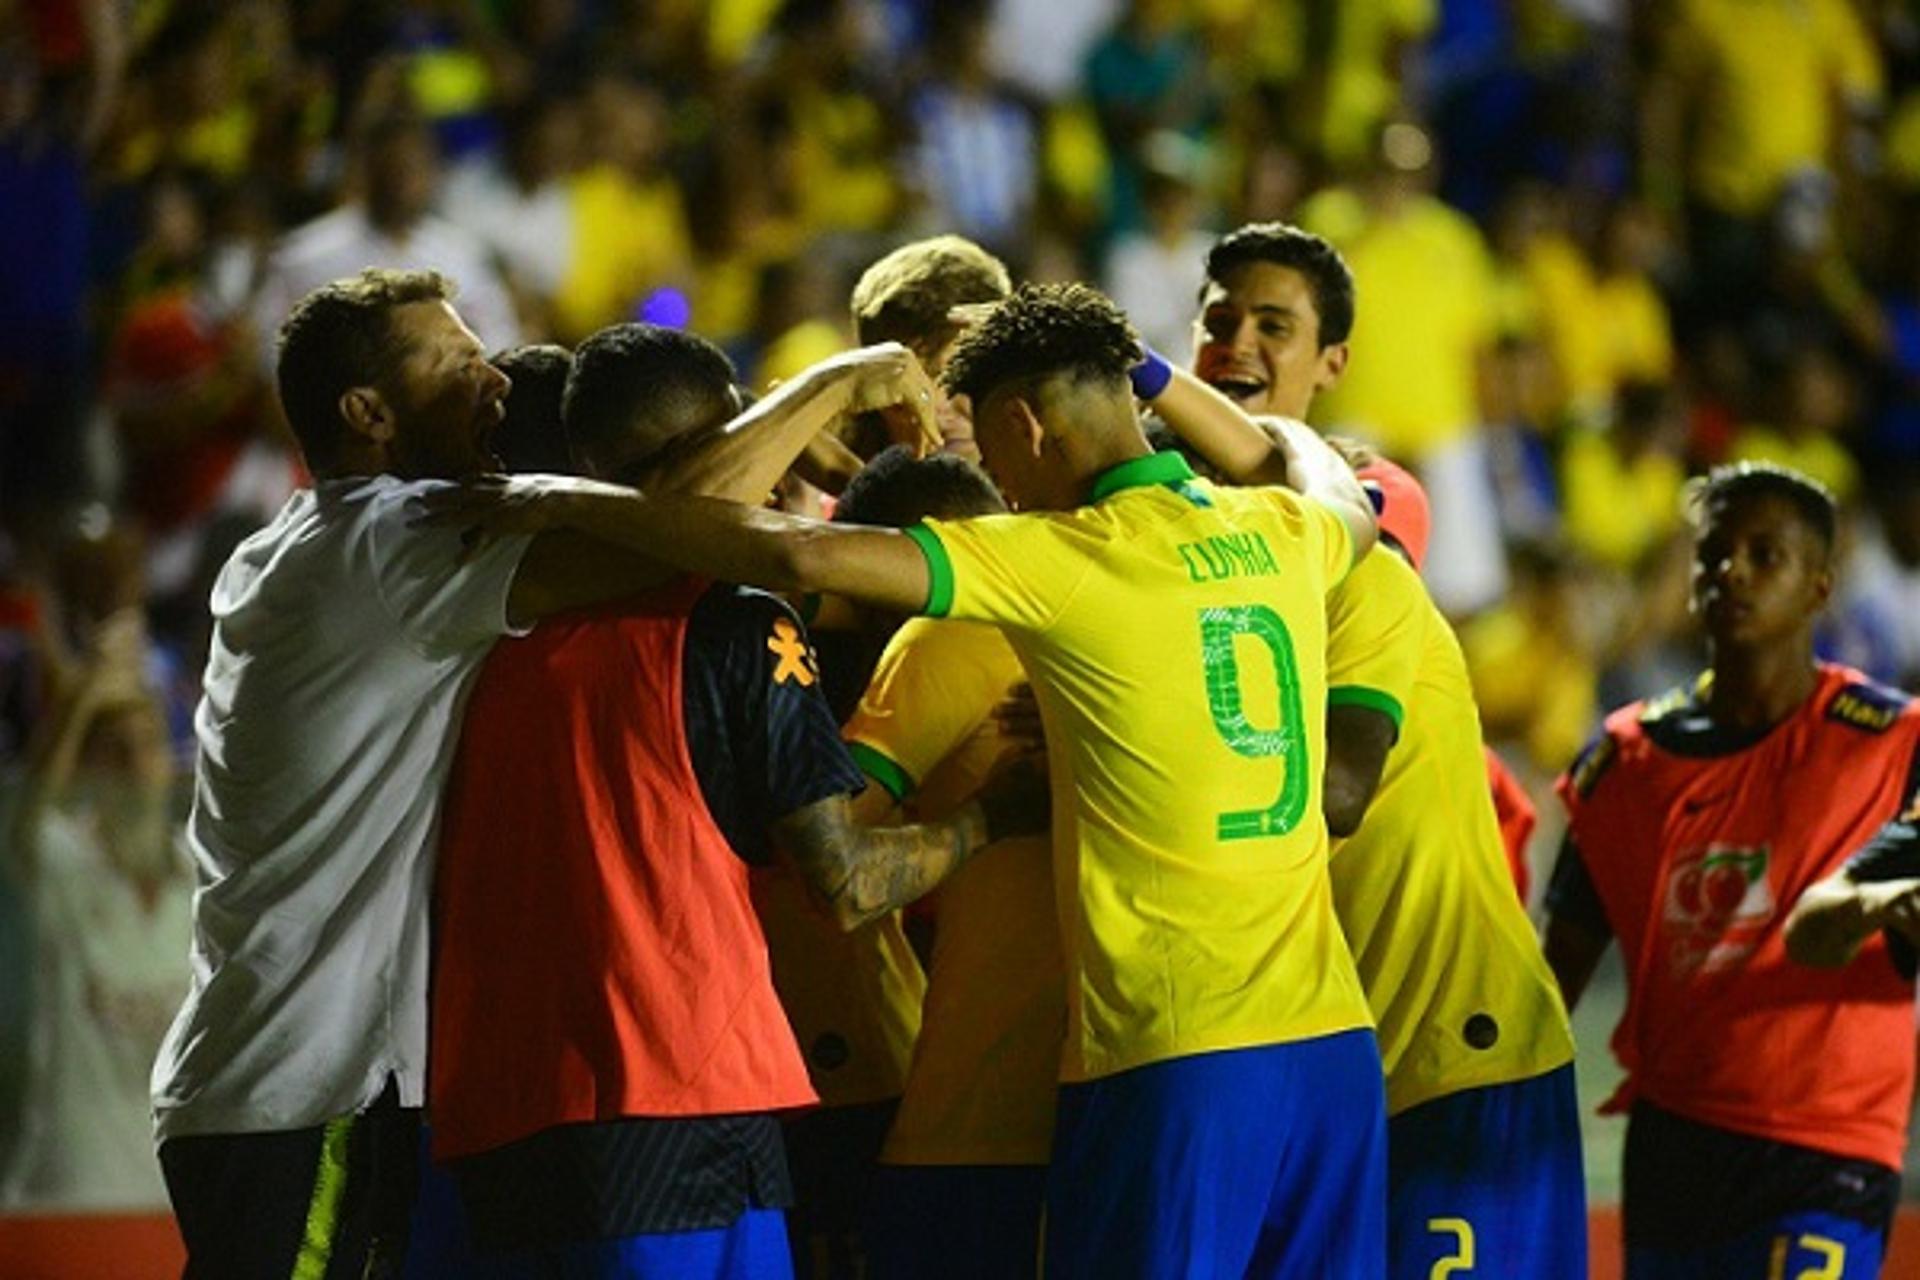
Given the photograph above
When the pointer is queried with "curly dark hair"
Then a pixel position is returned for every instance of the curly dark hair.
(1043, 331)
(1737, 482)
(1288, 246)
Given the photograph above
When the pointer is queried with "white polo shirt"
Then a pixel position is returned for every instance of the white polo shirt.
(344, 644)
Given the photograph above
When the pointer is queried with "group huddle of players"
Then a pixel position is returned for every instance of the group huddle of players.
(1237, 984)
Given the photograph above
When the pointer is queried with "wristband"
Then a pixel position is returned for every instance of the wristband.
(1151, 376)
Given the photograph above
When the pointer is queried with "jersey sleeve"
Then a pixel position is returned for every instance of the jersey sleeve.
(1016, 571)
(1375, 630)
(1571, 895)
(763, 740)
(932, 689)
(445, 598)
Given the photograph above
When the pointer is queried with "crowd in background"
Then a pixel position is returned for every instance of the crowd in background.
(1599, 246)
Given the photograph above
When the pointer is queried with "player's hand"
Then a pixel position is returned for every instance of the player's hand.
(1018, 800)
(1893, 904)
(888, 379)
(1018, 716)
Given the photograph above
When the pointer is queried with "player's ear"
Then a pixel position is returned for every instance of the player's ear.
(367, 414)
(1333, 363)
(1028, 421)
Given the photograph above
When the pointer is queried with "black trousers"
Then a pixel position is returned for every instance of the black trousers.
(327, 1203)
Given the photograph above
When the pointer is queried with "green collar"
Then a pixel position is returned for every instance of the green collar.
(1155, 468)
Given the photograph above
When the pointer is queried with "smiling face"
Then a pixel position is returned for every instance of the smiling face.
(447, 401)
(1760, 574)
(1258, 340)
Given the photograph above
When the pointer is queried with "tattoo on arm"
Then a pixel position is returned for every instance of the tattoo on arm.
(862, 873)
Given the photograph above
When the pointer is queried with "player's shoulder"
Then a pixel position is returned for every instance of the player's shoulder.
(729, 606)
(1866, 706)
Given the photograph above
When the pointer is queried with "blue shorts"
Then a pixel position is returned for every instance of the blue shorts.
(754, 1247)
(955, 1222)
(1825, 1245)
(1258, 1162)
(1489, 1177)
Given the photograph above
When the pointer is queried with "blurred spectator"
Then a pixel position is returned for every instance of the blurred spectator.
(1622, 483)
(1633, 317)
(1041, 46)
(519, 205)
(1150, 72)
(1747, 101)
(94, 849)
(978, 156)
(847, 166)
(1817, 406)
(1413, 386)
(1156, 273)
(629, 222)
(1533, 672)
(1883, 571)
(183, 385)
(388, 226)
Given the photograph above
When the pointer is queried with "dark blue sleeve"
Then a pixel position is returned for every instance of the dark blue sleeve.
(764, 742)
(1894, 854)
(1571, 895)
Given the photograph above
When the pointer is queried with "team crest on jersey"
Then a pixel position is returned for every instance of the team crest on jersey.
(1718, 905)
(1865, 706)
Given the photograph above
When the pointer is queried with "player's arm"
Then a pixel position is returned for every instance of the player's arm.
(1358, 740)
(1578, 932)
(570, 568)
(1879, 888)
(597, 542)
(750, 454)
(862, 872)
(1266, 451)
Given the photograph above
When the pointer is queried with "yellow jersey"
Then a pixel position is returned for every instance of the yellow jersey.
(982, 1084)
(1175, 635)
(853, 998)
(1459, 987)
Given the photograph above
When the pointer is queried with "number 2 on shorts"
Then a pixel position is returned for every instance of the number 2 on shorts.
(1460, 1262)
(1288, 742)
(1831, 1253)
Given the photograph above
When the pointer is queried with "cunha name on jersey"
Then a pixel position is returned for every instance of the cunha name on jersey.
(1234, 555)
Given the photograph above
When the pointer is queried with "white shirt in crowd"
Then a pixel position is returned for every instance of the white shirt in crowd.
(345, 242)
(108, 973)
(1158, 286)
(530, 232)
(344, 644)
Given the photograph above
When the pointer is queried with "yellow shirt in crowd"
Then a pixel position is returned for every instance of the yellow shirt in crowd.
(1768, 73)
(1175, 634)
(982, 1084)
(1459, 988)
(1618, 510)
(1413, 384)
(629, 237)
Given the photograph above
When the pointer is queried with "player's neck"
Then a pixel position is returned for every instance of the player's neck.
(1758, 687)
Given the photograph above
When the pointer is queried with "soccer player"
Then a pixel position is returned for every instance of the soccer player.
(961, 1180)
(608, 1051)
(855, 999)
(1483, 1133)
(1221, 1106)
(1767, 1102)
(286, 1094)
